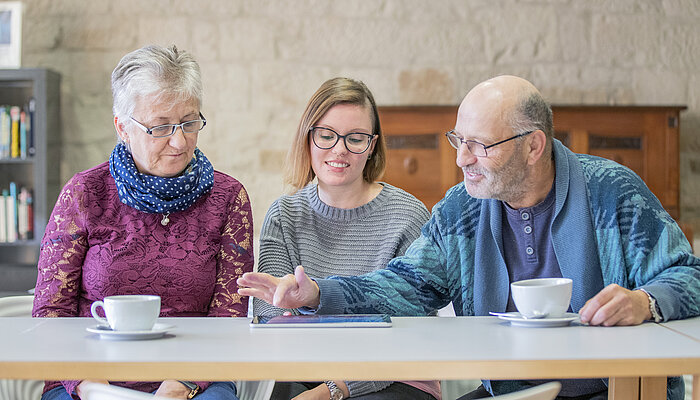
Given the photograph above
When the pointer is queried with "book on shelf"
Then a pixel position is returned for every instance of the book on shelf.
(5, 125)
(11, 205)
(17, 130)
(3, 216)
(30, 215)
(16, 214)
(22, 134)
(14, 134)
(22, 218)
(31, 109)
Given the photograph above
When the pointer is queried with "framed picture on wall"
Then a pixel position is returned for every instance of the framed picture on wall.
(10, 34)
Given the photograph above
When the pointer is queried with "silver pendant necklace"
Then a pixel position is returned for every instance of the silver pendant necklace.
(165, 219)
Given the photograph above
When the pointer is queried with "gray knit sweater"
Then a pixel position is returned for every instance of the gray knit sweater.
(302, 230)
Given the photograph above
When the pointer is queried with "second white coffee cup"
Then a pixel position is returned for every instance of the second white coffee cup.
(128, 312)
(544, 297)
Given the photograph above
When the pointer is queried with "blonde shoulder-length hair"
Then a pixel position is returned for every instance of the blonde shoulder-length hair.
(334, 91)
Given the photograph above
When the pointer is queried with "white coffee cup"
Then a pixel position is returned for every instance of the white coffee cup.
(544, 297)
(128, 312)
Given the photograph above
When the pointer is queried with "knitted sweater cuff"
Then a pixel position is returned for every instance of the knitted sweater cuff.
(332, 300)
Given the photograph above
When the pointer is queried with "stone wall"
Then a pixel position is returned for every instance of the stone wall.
(262, 60)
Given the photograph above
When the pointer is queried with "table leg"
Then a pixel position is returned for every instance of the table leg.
(696, 387)
(623, 388)
(653, 388)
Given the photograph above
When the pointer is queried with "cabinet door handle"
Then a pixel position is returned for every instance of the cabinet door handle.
(410, 164)
(673, 122)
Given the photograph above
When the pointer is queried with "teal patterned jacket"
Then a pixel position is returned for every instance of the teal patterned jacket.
(607, 228)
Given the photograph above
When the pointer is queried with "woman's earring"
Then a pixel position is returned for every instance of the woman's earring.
(369, 157)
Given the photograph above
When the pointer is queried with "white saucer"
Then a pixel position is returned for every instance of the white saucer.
(516, 319)
(106, 332)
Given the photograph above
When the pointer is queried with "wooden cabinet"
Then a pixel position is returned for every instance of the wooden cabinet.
(419, 159)
(644, 138)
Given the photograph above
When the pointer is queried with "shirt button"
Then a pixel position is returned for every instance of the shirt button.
(528, 229)
(525, 216)
(529, 250)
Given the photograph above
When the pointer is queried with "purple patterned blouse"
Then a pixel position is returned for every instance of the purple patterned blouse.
(96, 246)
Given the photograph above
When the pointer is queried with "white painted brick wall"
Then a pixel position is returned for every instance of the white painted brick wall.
(262, 60)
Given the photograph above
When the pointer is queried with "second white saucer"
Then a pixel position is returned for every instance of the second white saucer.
(516, 319)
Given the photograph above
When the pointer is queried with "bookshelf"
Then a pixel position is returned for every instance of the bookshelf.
(36, 170)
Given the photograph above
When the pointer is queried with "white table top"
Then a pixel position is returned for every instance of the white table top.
(688, 327)
(414, 348)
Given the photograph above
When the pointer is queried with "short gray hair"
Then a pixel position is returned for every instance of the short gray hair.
(154, 70)
(533, 113)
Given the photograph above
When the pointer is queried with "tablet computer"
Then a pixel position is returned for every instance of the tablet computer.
(323, 321)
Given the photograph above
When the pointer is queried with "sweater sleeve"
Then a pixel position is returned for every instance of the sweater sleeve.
(413, 284)
(658, 255)
(235, 258)
(419, 215)
(640, 245)
(274, 257)
(63, 250)
(359, 388)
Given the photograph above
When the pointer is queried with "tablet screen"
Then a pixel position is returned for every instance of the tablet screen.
(327, 321)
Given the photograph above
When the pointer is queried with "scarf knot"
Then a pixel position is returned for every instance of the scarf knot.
(155, 194)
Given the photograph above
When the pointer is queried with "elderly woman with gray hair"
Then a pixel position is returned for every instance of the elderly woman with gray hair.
(155, 219)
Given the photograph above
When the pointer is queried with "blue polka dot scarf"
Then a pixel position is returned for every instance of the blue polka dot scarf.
(154, 194)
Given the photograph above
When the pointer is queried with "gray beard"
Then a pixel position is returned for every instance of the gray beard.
(508, 184)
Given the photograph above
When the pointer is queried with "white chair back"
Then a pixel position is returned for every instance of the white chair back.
(10, 389)
(14, 389)
(254, 390)
(16, 306)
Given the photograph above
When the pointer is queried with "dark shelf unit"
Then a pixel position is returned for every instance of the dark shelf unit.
(39, 172)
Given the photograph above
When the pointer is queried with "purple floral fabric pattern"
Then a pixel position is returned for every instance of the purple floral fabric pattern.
(95, 246)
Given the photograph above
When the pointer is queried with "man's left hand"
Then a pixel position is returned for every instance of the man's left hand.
(615, 305)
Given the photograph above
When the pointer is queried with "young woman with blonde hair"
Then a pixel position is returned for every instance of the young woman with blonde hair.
(339, 220)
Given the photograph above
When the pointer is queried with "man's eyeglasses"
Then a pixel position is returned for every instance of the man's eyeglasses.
(474, 147)
(326, 138)
(166, 130)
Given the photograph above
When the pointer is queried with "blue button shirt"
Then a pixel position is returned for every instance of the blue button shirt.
(527, 243)
(528, 252)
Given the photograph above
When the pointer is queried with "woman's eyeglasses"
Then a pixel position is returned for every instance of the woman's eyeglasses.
(166, 130)
(326, 138)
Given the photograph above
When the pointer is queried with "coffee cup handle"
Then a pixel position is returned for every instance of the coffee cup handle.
(93, 311)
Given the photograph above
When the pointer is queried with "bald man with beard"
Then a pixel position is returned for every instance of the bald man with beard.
(528, 208)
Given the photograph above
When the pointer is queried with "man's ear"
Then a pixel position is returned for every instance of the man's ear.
(121, 132)
(538, 143)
